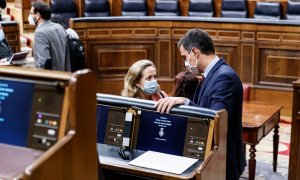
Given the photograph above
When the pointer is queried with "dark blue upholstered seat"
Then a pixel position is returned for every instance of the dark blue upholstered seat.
(267, 10)
(293, 10)
(96, 8)
(65, 8)
(166, 8)
(234, 9)
(134, 8)
(201, 8)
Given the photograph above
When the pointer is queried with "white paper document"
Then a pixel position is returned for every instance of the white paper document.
(163, 162)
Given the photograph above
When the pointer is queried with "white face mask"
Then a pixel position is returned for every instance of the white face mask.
(31, 20)
(192, 69)
(2, 36)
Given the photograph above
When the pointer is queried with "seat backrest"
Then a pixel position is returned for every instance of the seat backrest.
(96, 8)
(166, 8)
(201, 8)
(65, 8)
(234, 9)
(246, 92)
(267, 10)
(293, 10)
(134, 8)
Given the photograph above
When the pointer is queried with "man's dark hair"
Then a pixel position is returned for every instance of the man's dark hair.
(42, 8)
(199, 39)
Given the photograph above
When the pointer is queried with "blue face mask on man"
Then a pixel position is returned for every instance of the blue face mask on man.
(2, 35)
(150, 87)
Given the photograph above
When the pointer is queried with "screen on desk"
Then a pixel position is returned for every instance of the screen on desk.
(157, 132)
(29, 112)
(161, 132)
(15, 111)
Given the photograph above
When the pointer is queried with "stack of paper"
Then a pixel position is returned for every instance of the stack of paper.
(163, 162)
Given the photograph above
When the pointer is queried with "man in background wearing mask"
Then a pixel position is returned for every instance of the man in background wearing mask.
(51, 50)
(221, 89)
(5, 50)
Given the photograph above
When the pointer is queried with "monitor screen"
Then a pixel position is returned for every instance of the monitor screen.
(15, 111)
(102, 113)
(30, 112)
(162, 132)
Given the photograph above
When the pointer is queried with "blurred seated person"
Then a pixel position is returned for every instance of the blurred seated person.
(185, 85)
(60, 20)
(5, 50)
(141, 82)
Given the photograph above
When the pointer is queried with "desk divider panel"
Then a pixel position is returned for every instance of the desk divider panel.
(186, 131)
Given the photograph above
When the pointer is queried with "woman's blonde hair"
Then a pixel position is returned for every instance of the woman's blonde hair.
(134, 75)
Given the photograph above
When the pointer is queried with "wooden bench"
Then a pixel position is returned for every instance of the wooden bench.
(258, 120)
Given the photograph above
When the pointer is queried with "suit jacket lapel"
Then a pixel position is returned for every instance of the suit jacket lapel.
(209, 75)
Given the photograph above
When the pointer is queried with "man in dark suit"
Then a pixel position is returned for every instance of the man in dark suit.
(221, 88)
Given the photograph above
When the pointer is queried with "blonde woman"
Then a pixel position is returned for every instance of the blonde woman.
(141, 82)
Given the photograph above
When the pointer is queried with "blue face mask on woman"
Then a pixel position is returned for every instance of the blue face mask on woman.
(2, 36)
(150, 87)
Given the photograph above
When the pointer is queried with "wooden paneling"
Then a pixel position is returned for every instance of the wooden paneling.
(110, 60)
(11, 30)
(247, 62)
(164, 58)
(278, 66)
(230, 53)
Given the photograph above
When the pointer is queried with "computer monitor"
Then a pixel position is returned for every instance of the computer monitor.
(162, 132)
(30, 112)
(15, 111)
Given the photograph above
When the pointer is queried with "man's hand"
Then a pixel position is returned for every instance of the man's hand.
(165, 104)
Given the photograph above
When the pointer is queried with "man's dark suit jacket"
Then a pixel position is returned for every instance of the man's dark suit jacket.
(222, 89)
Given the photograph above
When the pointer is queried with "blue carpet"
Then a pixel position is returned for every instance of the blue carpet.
(264, 171)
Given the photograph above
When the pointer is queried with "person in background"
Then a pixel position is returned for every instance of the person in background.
(2, 6)
(141, 82)
(5, 50)
(51, 50)
(58, 19)
(220, 89)
(185, 84)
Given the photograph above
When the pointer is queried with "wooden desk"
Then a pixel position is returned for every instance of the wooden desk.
(258, 120)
